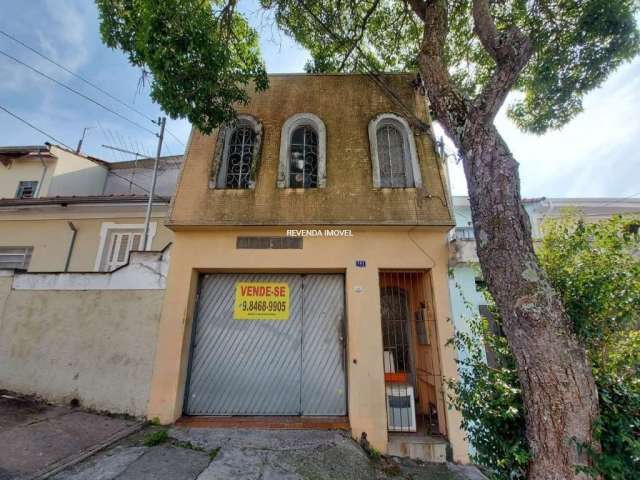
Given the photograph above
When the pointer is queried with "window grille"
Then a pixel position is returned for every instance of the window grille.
(392, 157)
(240, 158)
(15, 257)
(120, 245)
(303, 162)
(27, 189)
(275, 243)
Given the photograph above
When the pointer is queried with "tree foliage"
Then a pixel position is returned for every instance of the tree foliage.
(202, 55)
(596, 269)
(577, 44)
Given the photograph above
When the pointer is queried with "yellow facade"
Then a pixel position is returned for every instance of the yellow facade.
(200, 251)
(46, 229)
(393, 228)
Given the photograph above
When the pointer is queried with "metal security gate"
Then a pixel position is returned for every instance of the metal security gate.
(292, 366)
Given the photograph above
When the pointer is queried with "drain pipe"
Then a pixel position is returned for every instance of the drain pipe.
(74, 232)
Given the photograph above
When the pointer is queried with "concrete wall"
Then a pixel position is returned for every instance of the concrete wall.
(26, 169)
(346, 104)
(199, 251)
(96, 344)
(126, 178)
(76, 175)
(50, 236)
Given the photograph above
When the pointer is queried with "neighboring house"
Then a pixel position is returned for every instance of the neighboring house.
(309, 267)
(466, 284)
(63, 211)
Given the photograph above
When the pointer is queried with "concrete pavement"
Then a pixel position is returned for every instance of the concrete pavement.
(245, 454)
(36, 438)
(40, 441)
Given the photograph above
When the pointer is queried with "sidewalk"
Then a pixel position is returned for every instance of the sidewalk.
(37, 438)
(41, 441)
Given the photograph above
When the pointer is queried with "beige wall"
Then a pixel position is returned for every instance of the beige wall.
(26, 169)
(397, 248)
(76, 175)
(96, 346)
(50, 236)
(346, 104)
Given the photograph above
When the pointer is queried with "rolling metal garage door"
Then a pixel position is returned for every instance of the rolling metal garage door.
(292, 366)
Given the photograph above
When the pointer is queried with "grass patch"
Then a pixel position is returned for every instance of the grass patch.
(213, 454)
(189, 446)
(155, 438)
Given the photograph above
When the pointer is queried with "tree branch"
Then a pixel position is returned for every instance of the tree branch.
(511, 50)
(448, 104)
(358, 39)
(419, 7)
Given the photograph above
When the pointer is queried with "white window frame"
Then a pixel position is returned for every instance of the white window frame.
(223, 162)
(22, 253)
(293, 122)
(32, 183)
(108, 227)
(411, 154)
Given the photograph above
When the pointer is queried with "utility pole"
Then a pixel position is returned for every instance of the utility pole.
(147, 218)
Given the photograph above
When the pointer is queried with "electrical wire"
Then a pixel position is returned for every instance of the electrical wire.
(88, 82)
(111, 172)
(2, 52)
(372, 72)
(17, 117)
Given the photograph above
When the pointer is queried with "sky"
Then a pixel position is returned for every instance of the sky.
(595, 155)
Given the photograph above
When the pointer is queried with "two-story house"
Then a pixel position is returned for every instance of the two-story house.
(63, 211)
(308, 280)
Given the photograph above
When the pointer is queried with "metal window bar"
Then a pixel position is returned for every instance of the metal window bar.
(391, 156)
(303, 161)
(410, 354)
(240, 158)
(27, 189)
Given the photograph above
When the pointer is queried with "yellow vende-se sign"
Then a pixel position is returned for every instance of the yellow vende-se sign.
(261, 301)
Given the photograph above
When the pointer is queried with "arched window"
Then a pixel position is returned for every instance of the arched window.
(239, 151)
(302, 152)
(303, 160)
(393, 151)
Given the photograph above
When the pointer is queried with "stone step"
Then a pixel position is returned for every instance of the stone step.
(418, 447)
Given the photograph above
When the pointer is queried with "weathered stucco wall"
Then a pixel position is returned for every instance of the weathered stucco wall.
(76, 175)
(50, 236)
(94, 345)
(346, 104)
(397, 248)
(26, 169)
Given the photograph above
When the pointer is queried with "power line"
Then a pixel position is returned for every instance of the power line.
(76, 92)
(79, 77)
(34, 127)
(88, 82)
(111, 172)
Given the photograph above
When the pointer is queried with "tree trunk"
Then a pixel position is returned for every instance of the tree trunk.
(560, 396)
(558, 390)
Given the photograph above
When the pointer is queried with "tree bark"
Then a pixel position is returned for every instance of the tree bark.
(560, 396)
